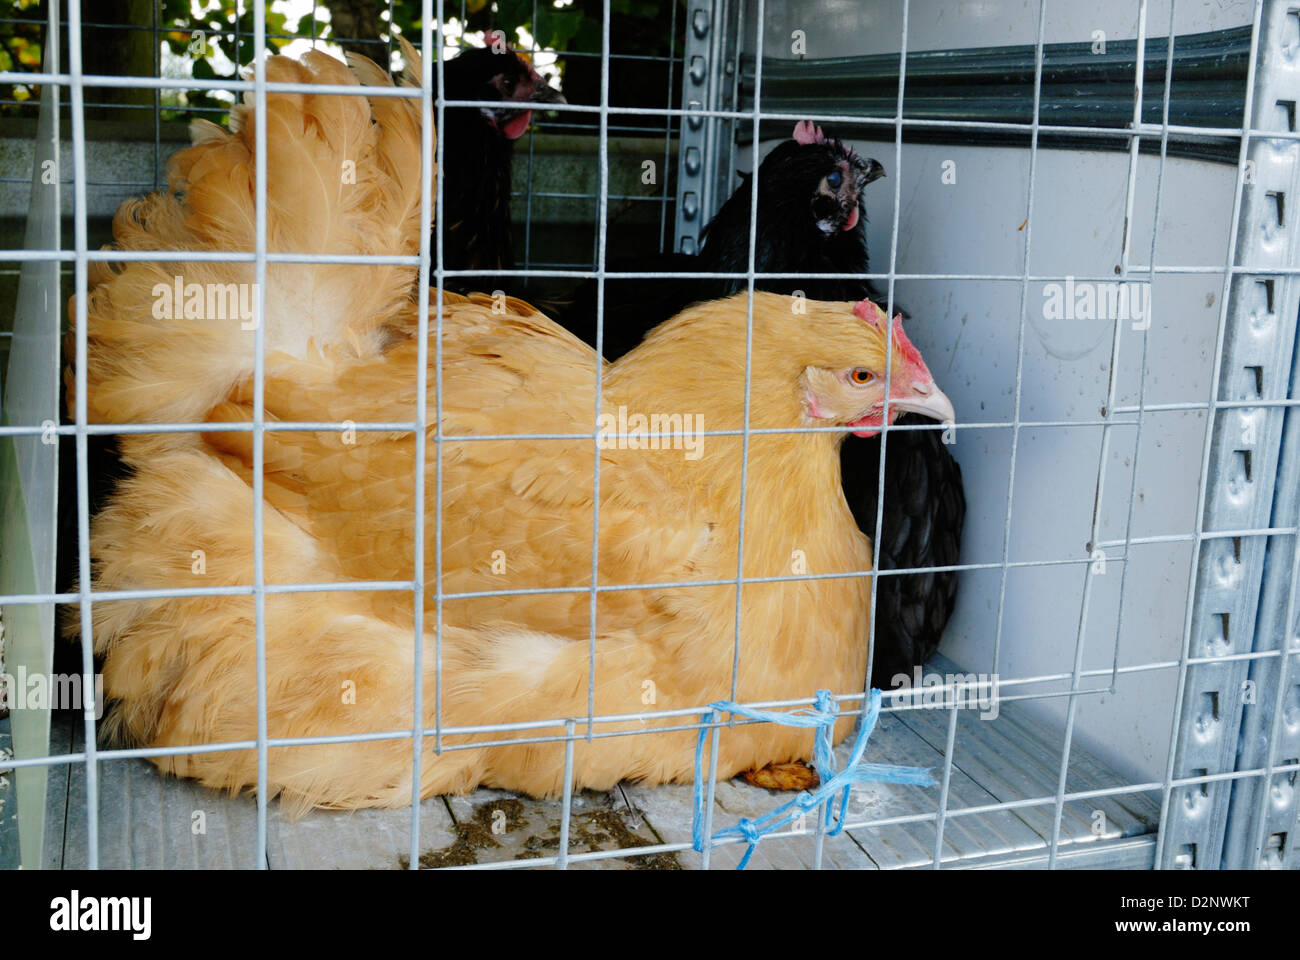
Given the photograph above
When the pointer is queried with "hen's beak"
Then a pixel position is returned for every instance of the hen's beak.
(543, 92)
(874, 170)
(927, 400)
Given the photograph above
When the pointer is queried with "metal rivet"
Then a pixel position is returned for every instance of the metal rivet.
(690, 205)
(693, 161)
(700, 22)
(699, 70)
(695, 123)
(1227, 568)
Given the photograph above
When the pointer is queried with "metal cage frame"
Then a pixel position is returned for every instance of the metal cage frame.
(1228, 791)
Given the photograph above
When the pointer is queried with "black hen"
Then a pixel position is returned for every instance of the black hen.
(811, 219)
(478, 143)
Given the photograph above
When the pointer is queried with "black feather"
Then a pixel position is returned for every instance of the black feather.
(788, 239)
(477, 160)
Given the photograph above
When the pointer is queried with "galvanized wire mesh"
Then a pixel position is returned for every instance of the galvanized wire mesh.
(433, 275)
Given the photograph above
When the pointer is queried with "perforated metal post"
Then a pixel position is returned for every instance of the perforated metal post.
(709, 75)
(1257, 331)
(1264, 814)
(1262, 828)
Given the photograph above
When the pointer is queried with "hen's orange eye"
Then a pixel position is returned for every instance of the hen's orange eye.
(861, 375)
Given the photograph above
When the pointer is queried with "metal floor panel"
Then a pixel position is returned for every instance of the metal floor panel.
(149, 821)
(1010, 760)
(494, 826)
(912, 844)
(351, 839)
(1133, 853)
(668, 809)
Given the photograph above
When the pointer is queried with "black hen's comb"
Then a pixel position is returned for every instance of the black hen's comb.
(806, 133)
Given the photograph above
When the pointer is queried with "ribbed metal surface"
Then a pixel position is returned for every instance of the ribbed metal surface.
(149, 822)
(1081, 86)
(1264, 814)
(994, 761)
(1257, 336)
(355, 839)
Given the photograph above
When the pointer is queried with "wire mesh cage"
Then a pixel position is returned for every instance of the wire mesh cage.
(1084, 216)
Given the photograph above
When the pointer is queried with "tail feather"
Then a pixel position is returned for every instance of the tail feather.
(399, 128)
(337, 183)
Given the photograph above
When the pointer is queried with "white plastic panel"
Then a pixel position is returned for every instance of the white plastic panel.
(968, 329)
(29, 472)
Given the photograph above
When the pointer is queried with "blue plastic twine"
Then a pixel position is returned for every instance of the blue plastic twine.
(822, 720)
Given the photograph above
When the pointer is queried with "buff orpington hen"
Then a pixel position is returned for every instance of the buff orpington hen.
(812, 218)
(341, 345)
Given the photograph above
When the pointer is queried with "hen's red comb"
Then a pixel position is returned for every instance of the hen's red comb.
(868, 311)
(806, 132)
(872, 314)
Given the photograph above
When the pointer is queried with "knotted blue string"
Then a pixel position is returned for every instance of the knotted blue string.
(822, 721)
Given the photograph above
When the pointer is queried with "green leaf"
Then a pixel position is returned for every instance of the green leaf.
(174, 11)
(305, 27)
(588, 37)
(556, 28)
(512, 14)
(203, 70)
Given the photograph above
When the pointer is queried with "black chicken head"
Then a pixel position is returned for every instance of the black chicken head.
(833, 170)
(500, 74)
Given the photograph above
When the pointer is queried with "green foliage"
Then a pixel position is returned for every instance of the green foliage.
(20, 49)
(555, 28)
(577, 26)
(216, 38)
(221, 25)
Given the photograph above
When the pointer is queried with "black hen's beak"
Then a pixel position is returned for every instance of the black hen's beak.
(543, 92)
(874, 171)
